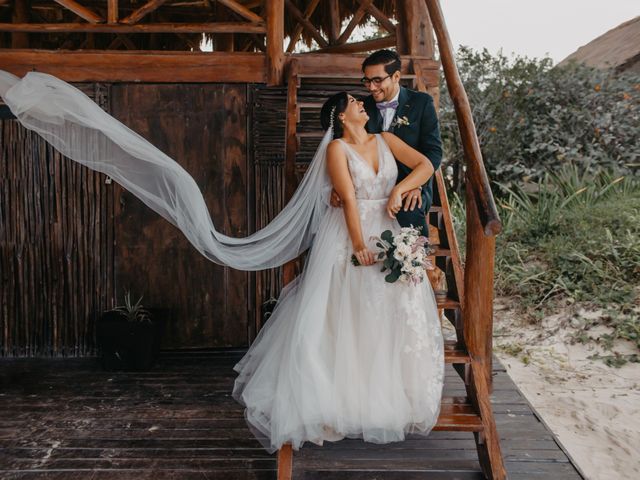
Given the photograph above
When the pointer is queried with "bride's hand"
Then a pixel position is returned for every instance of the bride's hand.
(335, 199)
(365, 256)
(394, 204)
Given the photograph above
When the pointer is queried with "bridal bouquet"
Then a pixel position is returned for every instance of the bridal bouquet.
(405, 255)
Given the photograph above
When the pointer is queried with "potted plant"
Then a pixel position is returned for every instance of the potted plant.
(128, 337)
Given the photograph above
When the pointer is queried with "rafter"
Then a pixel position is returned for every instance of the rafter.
(334, 24)
(80, 10)
(311, 7)
(380, 17)
(144, 10)
(355, 20)
(364, 46)
(242, 11)
(306, 24)
(112, 11)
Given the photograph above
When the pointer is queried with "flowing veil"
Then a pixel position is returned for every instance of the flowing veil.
(77, 127)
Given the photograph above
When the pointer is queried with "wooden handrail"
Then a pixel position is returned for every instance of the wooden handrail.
(476, 173)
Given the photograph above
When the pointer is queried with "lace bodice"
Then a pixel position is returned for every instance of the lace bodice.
(368, 184)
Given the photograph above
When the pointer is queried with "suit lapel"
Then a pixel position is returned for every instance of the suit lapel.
(403, 107)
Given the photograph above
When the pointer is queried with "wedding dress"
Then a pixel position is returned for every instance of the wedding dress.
(346, 354)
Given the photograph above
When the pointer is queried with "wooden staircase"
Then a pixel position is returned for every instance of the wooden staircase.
(467, 301)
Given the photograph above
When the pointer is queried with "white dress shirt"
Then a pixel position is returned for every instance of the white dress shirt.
(389, 113)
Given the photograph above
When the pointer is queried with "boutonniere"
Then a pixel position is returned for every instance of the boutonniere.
(400, 121)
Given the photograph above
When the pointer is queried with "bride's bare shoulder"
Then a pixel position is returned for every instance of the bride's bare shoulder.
(335, 150)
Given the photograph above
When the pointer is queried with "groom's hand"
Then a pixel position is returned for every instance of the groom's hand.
(335, 200)
(412, 198)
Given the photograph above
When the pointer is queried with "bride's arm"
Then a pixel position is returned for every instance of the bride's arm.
(421, 170)
(342, 183)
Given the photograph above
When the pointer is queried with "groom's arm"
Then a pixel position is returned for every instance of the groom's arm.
(429, 144)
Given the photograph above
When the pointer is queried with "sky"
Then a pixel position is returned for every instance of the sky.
(533, 28)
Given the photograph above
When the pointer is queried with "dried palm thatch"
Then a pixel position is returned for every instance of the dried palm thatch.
(618, 49)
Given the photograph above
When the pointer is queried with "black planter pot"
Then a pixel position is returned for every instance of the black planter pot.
(126, 345)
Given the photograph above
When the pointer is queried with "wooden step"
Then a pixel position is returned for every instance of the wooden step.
(457, 414)
(441, 252)
(313, 134)
(454, 353)
(447, 303)
(316, 105)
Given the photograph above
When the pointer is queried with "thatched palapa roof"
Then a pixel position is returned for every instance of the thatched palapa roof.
(619, 49)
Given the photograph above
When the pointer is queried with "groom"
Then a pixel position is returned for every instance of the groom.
(411, 116)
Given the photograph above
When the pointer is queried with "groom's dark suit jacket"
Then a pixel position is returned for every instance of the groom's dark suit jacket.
(422, 133)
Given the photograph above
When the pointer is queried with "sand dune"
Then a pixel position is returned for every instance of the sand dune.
(593, 409)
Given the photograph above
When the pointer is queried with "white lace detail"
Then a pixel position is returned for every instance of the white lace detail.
(367, 183)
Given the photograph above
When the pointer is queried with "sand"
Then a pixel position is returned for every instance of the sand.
(593, 409)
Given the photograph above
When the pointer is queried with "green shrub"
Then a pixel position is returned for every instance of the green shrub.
(533, 118)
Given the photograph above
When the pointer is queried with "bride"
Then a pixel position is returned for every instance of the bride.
(344, 354)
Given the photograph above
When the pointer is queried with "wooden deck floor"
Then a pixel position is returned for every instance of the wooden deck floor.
(66, 419)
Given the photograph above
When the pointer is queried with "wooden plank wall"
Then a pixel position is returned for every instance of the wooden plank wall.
(203, 127)
(56, 273)
(70, 244)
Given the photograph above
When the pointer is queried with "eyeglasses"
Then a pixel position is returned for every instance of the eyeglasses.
(375, 80)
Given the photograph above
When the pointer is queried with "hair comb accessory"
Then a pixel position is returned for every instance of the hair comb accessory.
(333, 112)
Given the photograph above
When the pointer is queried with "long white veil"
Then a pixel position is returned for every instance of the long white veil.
(77, 127)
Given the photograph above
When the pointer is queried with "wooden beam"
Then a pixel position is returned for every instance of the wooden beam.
(415, 32)
(291, 144)
(285, 462)
(306, 24)
(20, 14)
(334, 24)
(138, 66)
(139, 13)
(112, 11)
(285, 453)
(242, 11)
(311, 7)
(80, 10)
(364, 46)
(355, 20)
(382, 19)
(275, 42)
(338, 64)
(228, 27)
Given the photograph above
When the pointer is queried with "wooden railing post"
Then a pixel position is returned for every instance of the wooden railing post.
(291, 148)
(275, 42)
(477, 307)
(285, 454)
(483, 222)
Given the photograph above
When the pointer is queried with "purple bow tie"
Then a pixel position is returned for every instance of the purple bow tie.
(384, 105)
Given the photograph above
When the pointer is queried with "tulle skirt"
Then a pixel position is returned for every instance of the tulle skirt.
(344, 354)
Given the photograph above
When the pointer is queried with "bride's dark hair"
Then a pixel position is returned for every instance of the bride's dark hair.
(330, 111)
